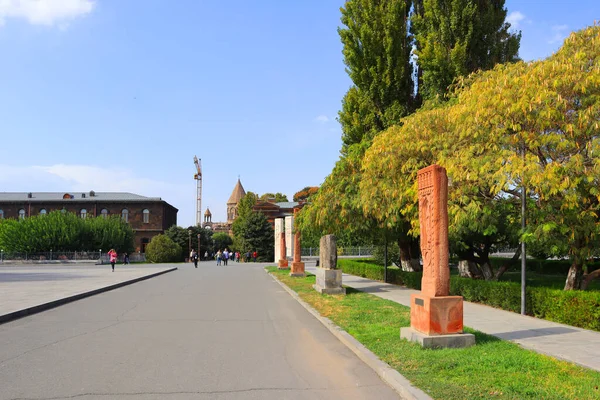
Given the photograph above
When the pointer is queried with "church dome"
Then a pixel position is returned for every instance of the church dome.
(207, 213)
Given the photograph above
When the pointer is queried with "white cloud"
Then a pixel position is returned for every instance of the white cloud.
(322, 119)
(560, 33)
(45, 12)
(514, 19)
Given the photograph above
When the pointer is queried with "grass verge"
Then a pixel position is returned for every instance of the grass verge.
(493, 369)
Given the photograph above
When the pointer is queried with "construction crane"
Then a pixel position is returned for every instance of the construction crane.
(198, 178)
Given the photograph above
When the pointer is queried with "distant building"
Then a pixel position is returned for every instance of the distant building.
(148, 216)
(232, 212)
(273, 210)
(270, 209)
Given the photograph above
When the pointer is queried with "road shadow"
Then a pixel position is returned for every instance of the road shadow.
(38, 277)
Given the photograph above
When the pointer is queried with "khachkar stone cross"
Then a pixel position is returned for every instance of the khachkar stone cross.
(283, 262)
(328, 276)
(436, 319)
(297, 265)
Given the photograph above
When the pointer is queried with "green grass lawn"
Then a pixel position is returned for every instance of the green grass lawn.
(493, 369)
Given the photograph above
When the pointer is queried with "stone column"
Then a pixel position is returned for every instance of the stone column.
(436, 319)
(278, 230)
(297, 265)
(283, 262)
(289, 235)
(329, 278)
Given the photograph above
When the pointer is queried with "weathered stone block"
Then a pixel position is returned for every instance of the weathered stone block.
(329, 281)
(328, 252)
(457, 340)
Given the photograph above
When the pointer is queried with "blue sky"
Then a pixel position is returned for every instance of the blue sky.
(112, 95)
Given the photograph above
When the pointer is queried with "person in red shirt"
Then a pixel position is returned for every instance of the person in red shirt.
(112, 256)
(254, 256)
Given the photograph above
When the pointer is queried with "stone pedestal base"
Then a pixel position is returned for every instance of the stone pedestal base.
(283, 264)
(457, 340)
(436, 315)
(297, 269)
(329, 281)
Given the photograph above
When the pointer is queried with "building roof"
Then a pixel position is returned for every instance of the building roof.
(75, 196)
(207, 212)
(287, 204)
(237, 194)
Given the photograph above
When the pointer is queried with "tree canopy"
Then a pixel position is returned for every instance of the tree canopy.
(545, 137)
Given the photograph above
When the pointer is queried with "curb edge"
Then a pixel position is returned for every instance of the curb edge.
(56, 303)
(390, 376)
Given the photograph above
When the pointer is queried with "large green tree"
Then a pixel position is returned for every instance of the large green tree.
(456, 37)
(278, 197)
(545, 137)
(376, 52)
(377, 56)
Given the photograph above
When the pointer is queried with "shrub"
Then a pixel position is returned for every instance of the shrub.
(575, 308)
(162, 249)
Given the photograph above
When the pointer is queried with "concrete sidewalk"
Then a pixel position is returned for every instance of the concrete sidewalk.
(28, 289)
(569, 343)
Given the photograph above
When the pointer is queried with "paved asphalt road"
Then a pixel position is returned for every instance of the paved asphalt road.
(207, 333)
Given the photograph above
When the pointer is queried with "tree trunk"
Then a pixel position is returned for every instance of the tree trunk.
(468, 269)
(574, 277)
(486, 269)
(505, 267)
(409, 261)
(587, 278)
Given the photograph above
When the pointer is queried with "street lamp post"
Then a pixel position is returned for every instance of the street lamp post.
(190, 242)
(199, 246)
(2, 256)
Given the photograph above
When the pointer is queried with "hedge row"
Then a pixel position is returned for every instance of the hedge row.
(575, 308)
(547, 267)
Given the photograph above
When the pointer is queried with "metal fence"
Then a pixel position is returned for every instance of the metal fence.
(64, 256)
(342, 251)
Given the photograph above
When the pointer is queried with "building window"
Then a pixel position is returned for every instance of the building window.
(104, 213)
(1, 214)
(22, 213)
(43, 211)
(146, 214)
(83, 213)
(125, 215)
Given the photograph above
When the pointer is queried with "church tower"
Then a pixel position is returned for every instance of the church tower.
(234, 199)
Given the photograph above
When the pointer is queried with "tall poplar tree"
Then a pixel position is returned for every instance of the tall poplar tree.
(456, 37)
(377, 48)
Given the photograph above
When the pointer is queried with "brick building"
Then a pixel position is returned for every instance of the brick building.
(148, 216)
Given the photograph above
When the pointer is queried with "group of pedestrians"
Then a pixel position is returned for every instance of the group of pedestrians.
(223, 257)
(112, 257)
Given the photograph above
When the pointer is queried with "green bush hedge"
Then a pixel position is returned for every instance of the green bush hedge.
(549, 267)
(575, 308)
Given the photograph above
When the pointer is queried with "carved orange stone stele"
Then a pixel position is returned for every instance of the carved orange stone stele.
(283, 262)
(432, 311)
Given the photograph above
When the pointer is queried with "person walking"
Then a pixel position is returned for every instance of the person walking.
(254, 255)
(112, 256)
(126, 259)
(219, 255)
(194, 257)
(206, 255)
